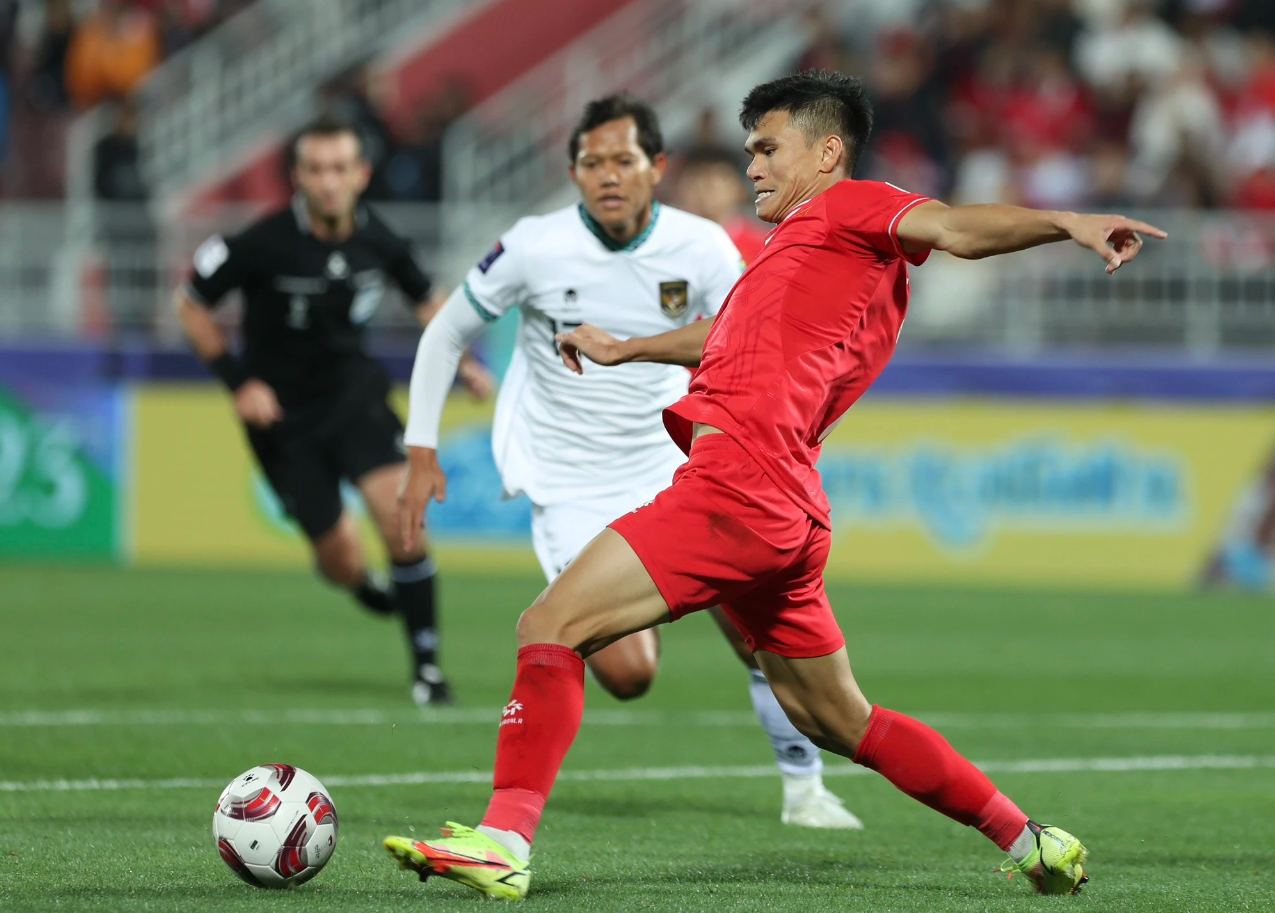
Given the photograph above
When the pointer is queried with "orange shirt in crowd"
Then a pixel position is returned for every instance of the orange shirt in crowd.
(109, 56)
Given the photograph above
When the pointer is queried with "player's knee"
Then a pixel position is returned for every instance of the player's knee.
(338, 564)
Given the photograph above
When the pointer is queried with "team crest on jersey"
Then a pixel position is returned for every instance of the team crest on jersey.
(337, 267)
(674, 297)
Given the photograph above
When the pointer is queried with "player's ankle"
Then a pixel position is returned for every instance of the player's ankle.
(514, 842)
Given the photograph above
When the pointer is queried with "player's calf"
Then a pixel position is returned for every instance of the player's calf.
(626, 669)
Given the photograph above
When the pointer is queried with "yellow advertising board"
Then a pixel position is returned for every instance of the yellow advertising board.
(1042, 492)
(988, 491)
(198, 498)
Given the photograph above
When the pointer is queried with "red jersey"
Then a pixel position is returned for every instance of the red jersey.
(748, 237)
(805, 331)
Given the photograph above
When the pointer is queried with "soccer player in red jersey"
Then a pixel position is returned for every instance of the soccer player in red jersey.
(745, 523)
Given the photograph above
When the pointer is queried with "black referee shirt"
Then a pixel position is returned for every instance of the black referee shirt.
(306, 301)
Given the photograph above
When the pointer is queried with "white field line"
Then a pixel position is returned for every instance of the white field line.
(490, 716)
(1031, 766)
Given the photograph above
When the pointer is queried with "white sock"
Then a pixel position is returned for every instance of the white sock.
(795, 754)
(1024, 845)
(509, 840)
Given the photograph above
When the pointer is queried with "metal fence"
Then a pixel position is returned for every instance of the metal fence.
(1209, 288)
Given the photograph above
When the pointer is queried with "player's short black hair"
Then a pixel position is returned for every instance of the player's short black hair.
(326, 125)
(616, 107)
(821, 103)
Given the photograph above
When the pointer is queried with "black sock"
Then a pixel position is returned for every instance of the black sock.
(414, 587)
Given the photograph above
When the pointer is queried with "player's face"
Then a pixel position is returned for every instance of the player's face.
(615, 176)
(331, 172)
(786, 169)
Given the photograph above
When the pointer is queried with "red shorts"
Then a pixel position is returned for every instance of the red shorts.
(723, 534)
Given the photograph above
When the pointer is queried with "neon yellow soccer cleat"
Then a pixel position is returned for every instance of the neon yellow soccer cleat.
(466, 856)
(1056, 866)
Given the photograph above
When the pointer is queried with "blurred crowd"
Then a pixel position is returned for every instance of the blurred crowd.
(1061, 103)
(60, 57)
(1068, 103)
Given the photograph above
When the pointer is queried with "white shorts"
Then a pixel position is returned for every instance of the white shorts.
(560, 531)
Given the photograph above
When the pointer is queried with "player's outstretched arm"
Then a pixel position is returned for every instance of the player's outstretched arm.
(683, 346)
(438, 355)
(974, 232)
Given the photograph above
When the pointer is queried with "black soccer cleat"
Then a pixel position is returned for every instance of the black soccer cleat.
(430, 688)
(376, 594)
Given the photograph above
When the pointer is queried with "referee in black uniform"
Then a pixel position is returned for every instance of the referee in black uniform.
(313, 402)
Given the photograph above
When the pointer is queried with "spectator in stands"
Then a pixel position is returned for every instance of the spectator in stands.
(46, 86)
(711, 184)
(414, 171)
(1251, 156)
(910, 149)
(111, 53)
(357, 98)
(125, 230)
(117, 171)
(8, 25)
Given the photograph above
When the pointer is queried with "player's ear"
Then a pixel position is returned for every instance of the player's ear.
(659, 165)
(364, 174)
(833, 155)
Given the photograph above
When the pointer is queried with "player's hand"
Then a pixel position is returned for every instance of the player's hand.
(599, 346)
(257, 405)
(424, 481)
(1114, 238)
(475, 378)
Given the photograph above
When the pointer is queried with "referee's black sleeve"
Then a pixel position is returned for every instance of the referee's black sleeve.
(406, 272)
(220, 266)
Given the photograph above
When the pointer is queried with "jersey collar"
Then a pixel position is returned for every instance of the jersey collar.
(302, 215)
(610, 243)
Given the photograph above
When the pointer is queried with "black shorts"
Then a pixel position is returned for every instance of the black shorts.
(306, 456)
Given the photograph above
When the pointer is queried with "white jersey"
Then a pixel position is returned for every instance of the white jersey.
(560, 436)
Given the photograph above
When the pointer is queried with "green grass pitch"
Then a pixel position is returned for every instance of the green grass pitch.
(155, 676)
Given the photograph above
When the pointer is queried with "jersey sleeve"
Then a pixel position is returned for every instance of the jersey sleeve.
(723, 265)
(220, 266)
(404, 267)
(498, 283)
(866, 214)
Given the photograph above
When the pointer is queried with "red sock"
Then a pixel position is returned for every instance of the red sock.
(538, 726)
(922, 764)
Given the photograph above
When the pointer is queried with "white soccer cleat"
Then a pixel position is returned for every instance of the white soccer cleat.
(808, 803)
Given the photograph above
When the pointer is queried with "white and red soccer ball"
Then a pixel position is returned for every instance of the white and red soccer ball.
(275, 826)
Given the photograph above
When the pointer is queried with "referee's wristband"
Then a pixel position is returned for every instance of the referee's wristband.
(230, 370)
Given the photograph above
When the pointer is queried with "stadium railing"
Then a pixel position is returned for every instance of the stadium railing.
(259, 68)
(1209, 288)
(681, 55)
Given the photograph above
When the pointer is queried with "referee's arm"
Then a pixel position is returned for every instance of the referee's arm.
(472, 373)
(255, 400)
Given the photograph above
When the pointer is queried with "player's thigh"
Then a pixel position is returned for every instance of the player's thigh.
(821, 697)
(601, 596)
(307, 486)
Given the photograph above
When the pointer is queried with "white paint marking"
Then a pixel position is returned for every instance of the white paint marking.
(727, 718)
(1031, 766)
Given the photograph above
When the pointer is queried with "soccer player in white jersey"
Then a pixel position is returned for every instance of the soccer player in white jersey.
(587, 449)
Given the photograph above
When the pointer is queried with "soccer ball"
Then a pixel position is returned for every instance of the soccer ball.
(275, 826)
